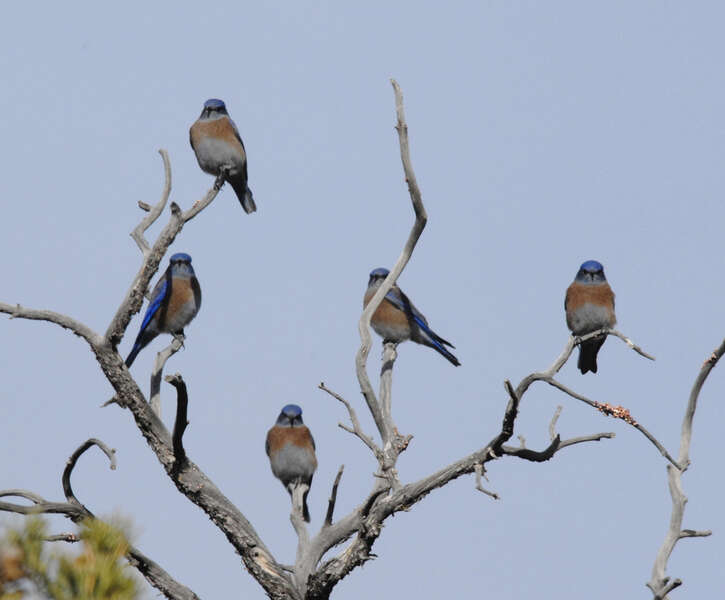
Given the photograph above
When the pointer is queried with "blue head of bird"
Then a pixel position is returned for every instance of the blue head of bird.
(213, 108)
(291, 416)
(590, 272)
(180, 264)
(377, 276)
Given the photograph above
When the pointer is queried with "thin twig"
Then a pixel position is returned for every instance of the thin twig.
(560, 361)
(554, 419)
(594, 437)
(356, 429)
(618, 412)
(630, 343)
(333, 498)
(479, 485)
(63, 537)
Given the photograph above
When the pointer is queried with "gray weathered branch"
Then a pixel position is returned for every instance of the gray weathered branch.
(19, 312)
(176, 344)
(659, 583)
(364, 324)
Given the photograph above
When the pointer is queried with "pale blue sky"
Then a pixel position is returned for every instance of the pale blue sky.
(542, 135)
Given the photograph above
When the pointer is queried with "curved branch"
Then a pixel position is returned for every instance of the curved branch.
(71, 463)
(659, 583)
(83, 331)
(420, 220)
(154, 211)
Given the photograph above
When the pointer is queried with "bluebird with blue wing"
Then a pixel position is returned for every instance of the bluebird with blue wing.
(219, 149)
(397, 320)
(175, 300)
(291, 450)
(589, 305)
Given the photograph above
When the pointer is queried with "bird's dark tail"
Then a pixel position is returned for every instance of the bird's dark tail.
(244, 194)
(448, 355)
(425, 335)
(588, 354)
(305, 510)
(134, 353)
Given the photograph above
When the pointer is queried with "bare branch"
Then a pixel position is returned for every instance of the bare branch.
(18, 312)
(200, 205)
(690, 533)
(176, 344)
(71, 463)
(158, 577)
(154, 212)
(594, 437)
(533, 455)
(333, 498)
(420, 220)
(566, 353)
(71, 538)
(507, 427)
(630, 343)
(659, 583)
(356, 429)
(618, 412)
(182, 401)
(554, 419)
(302, 568)
(34, 498)
(386, 385)
(478, 468)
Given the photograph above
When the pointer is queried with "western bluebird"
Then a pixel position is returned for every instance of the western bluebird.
(291, 451)
(219, 149)
(589, 306)
(397, 320)
(175, 300)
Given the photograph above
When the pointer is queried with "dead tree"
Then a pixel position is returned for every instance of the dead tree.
(318, 567)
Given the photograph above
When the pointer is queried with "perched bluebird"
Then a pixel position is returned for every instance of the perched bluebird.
(589, 306)
(291, 451)
(219, 148)
(175, 300)
(397, 320)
